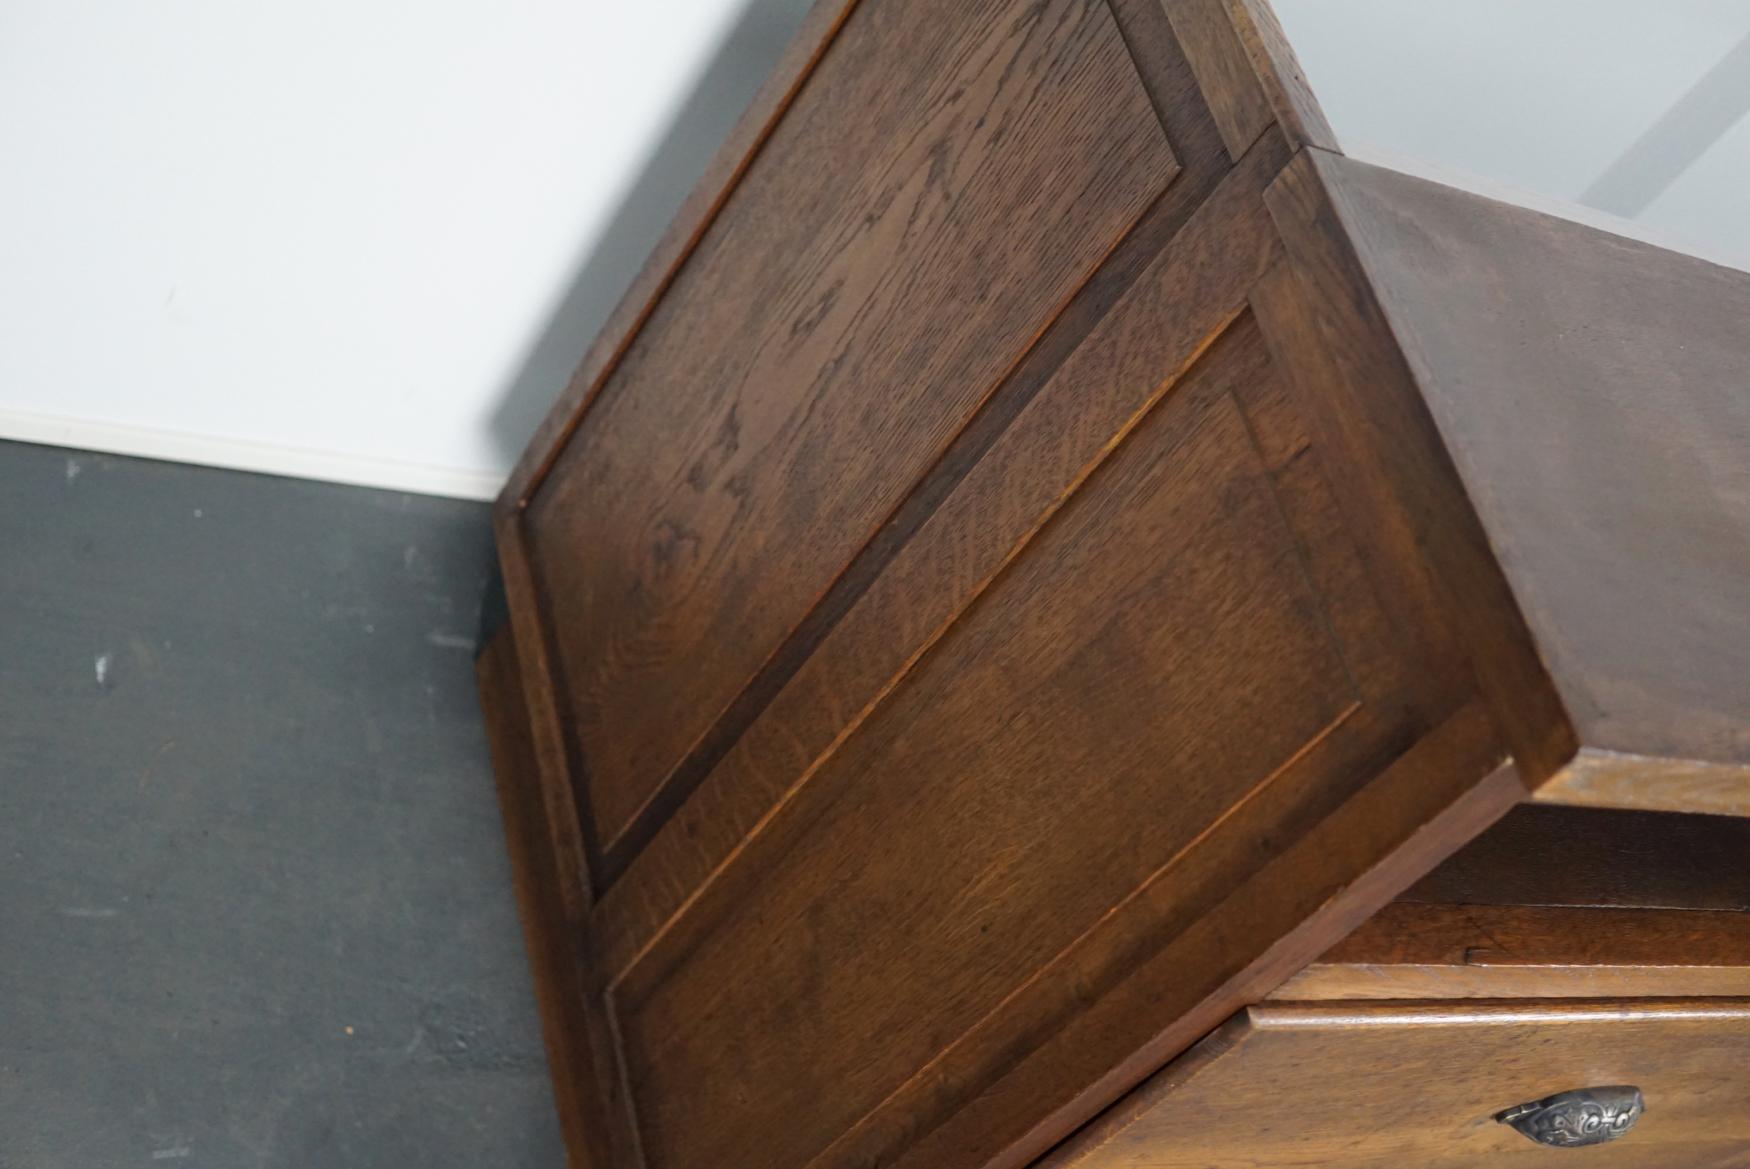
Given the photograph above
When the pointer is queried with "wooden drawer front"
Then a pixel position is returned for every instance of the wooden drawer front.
(1359, 1086)
(941, 186)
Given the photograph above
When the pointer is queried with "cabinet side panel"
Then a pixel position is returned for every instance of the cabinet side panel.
(945, 181)
(1061, 429)
(973, 867)
(1155, 655)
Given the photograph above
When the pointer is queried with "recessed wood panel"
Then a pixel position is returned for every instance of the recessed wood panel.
(1156, 655)
(940, 187)
(1090, 396)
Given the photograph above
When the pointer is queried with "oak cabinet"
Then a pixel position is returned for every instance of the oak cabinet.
(1047, 548)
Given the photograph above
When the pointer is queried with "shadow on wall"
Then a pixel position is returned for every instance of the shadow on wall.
(743, 60)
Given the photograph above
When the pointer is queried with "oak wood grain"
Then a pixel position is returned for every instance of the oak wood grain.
(1211, 43)
(1258, 928)
(1382, 1084)
(710, 823)
(582, 1055)
(1094, 673)
(1159, 326)
(1402, 492)
(999, 600)
(673, 552)
(540, 698)
(1297, 111)
(696, 213)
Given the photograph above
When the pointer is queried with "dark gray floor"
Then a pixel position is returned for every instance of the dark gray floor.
(255, 908)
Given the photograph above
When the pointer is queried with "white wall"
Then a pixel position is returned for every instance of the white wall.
(368, 239)
(1545, 96)
(324, 237)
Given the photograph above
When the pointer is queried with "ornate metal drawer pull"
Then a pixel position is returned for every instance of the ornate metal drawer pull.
(1573, 1120)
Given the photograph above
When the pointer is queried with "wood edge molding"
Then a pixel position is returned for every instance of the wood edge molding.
(1248, 72)
(1494, 1012)
(584, 1064)
(1405, 983)
(1237, 98)
(1598, 778)
(1363, 386)
(1185, 116)
(722, 175)
(1113, 1122)
(1278, 69)
(539, 700)
(1418, 950)
(1451, 785)
(548, 851)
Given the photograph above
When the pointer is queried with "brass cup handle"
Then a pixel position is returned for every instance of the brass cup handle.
(1574, 1120)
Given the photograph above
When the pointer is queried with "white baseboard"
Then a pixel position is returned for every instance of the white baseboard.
(239, 455)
